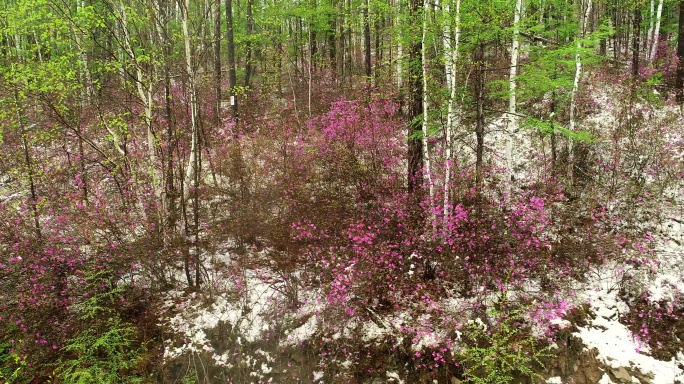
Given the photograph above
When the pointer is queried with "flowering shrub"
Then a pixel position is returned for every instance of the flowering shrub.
(342, 224)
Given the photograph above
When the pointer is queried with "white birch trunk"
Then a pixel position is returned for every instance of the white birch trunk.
(451, 57)
(649, 34)
(656, 31)
(426, 149)
(190, 170)
(146, 97)
(513, 121)
(575, 84)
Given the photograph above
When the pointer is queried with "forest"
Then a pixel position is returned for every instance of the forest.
(342, 191)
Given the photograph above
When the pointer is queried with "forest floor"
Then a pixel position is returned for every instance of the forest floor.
(257, 325)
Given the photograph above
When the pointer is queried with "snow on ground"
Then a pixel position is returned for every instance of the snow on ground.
(616, 345)
(663, 279)
(250, 313)
(247, 316)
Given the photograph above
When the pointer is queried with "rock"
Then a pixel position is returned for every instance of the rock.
(454, 380)
(644, 377)
(590, 371)
(622, 375)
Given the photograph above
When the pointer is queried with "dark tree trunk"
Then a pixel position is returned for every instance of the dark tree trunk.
(415, 106)
(170, 136)
(217, 60)
(331, 44)
(248, 45)
(554, 155)
(232, 77)
(680, 54)
(616, 35)
(636, 42)
(378, 52)
(349, 60)
(367, 40)
(313, 46)
(340, 41)
(479, 118)
(29, 164)
(300, 47)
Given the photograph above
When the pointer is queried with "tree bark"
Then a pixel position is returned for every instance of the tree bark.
(415, 106)
(195, 163)
(575, 84)
(512, 114)
(479, 95)
(451, 57)
(653, 48)
(427, 170)
(680, 54)
(636, 42)
(367, 40)
(400, 49)
(649, 34)
(232, 76)
(217, 60)
(248, 44)
(313, 38)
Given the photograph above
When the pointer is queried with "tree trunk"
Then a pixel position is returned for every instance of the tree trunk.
(554, 151)
(162, 9)
(232, 76)
(479, 87)
(217, 59)
(680, 54)
(367, 41)
(450, 60)
(636, 41)
(192, 175)
(378, 51)
(331, 43)
(653, 48)
(248, 44)
(427, 170)
(146, 98)
(400, 49)
(415, 106)
(313, 39)
(649, 34)
(575, 84)
(340, 42)
(512, 114)
(33, 203)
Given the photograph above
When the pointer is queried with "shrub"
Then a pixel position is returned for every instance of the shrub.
(109, 350)
(498, 355)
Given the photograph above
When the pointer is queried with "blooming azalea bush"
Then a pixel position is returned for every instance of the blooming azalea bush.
(321, 203)
(342, 224)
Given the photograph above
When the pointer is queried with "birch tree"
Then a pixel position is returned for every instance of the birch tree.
(452, 35)
(427, 173)
(145, 87)
(512, 114)
(584, 16)
(415, 104)
(194, 166)
(652, 47)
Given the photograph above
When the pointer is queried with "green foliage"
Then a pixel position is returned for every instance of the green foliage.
(500, 354)
(549, 126)
(102, 358)
(11, 364)
(109, 351)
